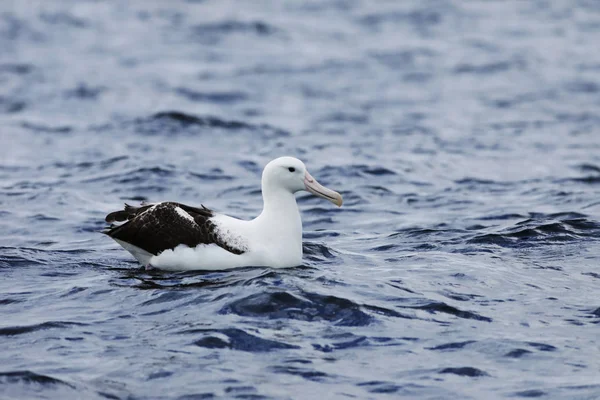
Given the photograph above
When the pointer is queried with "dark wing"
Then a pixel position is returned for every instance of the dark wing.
(163, 226)
(129, 212)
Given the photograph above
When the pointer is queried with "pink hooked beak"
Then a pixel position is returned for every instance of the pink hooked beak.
(317, 189)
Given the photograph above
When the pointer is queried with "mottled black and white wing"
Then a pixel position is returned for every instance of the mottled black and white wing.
(155, 228)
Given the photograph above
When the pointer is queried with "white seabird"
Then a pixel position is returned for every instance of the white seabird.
(174, 236)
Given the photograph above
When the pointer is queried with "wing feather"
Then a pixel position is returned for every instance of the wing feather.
(159, 227)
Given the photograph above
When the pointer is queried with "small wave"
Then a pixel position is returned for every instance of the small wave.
(389, 387)
(173, 122)
(585, 87)
(19, 330)
(542, 229)
(345, 117)
(474, 182)
(74, 291)
(589, 168)
(308, 307)
(542, 346)
(306, 373)
(490, 68)
(31, 377)
(195, 396)
(387, 247)
(236, 339)
(590, 180)
(531, 393)
(11, 106)
(85, 165)
(157, 279)
(137, 175)
(46, 128)
(43, 218)
(9, 301)
(214, 176)
(577, 116)
(379, 190)
(502, 217)
(413, 59)
(355, 170)
(63, 18)
(166, 297)
(440, 307)
(232, 26)
(422, 232)
(353, 342)
(211, 97)
(464, 371)
(22, 259)
(521, 99)
(327, 66)
(453, 345)
(250, 166)
(188, 119)
(517, 353)
(319, 234)
(317, 251)
(85, 92)
(460, 296)
(325, 210)
(421, 19)
(16, 68)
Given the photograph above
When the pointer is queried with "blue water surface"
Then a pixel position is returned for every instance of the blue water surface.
(464, 137)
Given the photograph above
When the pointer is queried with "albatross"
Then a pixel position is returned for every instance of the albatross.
(174, 236)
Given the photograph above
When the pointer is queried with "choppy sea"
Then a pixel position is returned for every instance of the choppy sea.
(464, 137)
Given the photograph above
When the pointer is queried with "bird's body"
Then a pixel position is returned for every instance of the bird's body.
(174, 236)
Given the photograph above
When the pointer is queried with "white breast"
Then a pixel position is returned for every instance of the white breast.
(269, 245)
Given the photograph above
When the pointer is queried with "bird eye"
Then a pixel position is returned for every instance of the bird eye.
(292, 169)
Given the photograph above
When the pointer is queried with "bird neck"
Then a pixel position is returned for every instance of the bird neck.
(279, 203)
(280, 213)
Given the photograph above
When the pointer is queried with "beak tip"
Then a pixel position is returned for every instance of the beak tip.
(314, 187)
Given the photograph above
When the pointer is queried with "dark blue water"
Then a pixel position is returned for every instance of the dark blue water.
(465, 138)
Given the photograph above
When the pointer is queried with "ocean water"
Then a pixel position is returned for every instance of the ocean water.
(464, 137)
